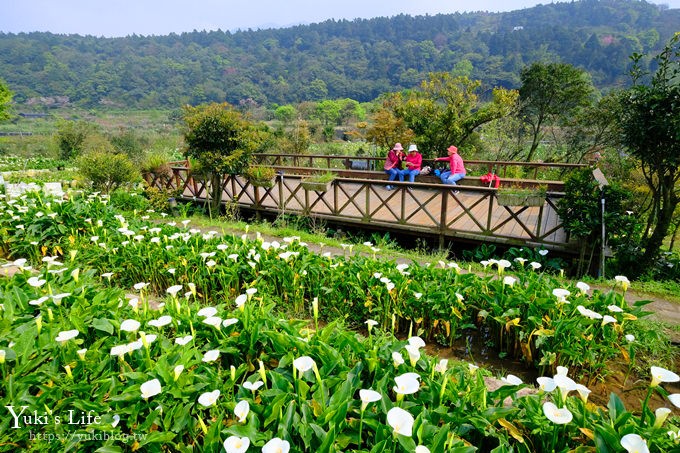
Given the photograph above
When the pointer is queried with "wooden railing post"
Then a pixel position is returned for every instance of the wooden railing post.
(442, 218)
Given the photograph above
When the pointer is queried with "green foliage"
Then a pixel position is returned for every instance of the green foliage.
(5, 100)
(581, 214)
(71, 137)
(447, 110)
(331, 60)
(219, 137)
(259, 173)
(549, 92)
(650, 125)
(107, 171)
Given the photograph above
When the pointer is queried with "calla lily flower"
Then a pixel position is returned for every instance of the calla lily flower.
(214, 321)
(417, 342)
(36, 282)
(241, 300)
(177, 371)
(253, 386)
(235, 444)
(241, 410)
(660, 416)
(207, 312)
(547, 384)
(660, 375)
(413, 353)
(583, 287)
(608, 319)
(423, 448)
(160, 322)
(406, 384)
(173, 290)
(150, 388)
(229, 321)
(276, 445)
(209, 398)
(368, 396)
(183, 340)
(633, 443)
(66, 335)
(441, 366)
(583, 392)
(397, 359)
(675, 399)
(303, 363)
(561, 294)
(401, 421)
(130, 325)
(622, 281)
(559, 416)
(211, 355)
(511, 379)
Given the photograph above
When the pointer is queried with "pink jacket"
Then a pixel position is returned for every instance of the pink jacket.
(416, 159)
(393, 160)
(455, 163)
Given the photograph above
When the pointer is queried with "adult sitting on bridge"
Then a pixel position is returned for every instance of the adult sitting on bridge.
(413, 162)
(456, 170)
(393, 163)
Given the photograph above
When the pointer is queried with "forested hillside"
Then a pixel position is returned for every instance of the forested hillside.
(358, 59)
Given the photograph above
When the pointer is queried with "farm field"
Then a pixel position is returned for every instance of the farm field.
(163, 335)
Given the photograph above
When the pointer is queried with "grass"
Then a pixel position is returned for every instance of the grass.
(285, 228)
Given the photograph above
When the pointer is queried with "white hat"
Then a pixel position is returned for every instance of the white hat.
(412, 148)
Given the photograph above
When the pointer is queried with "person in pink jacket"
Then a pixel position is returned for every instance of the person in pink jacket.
(412, 164)
(393, 163)
(456, 170)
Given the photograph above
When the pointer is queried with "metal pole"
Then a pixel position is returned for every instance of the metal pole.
(602, 251)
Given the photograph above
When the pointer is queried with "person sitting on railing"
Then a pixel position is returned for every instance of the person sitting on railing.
(413, 163)
(393, 163)
(456, 170)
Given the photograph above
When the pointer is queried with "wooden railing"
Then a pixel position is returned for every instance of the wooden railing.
(424, 209)
(504, 169)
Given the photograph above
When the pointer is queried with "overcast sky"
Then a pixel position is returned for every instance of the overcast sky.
(113, 18)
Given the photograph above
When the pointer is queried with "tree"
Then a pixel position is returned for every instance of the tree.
(5, 99)
(386, 128)
(650, 125)
(446, 110)
(549, 93)
(71, 137)
(107, 171)
(221, 139)
(581, 214)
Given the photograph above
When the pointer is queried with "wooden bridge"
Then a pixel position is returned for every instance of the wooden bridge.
(468, 212)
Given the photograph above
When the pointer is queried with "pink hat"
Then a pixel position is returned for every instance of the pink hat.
(398, 147)
(452, 148)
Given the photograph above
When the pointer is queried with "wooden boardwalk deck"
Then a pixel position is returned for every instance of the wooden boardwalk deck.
(434, 210)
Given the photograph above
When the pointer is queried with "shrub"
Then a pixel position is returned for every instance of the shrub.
(106, 171)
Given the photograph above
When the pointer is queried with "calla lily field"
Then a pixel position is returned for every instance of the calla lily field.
(136, 332)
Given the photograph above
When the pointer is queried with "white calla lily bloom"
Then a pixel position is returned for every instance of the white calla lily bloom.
(150, 388)
(559, 416)
(303, 363)
(276, 445)
(235, 444)
(208, 399)
(633, 443)
(401, 421)
(241, 410)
